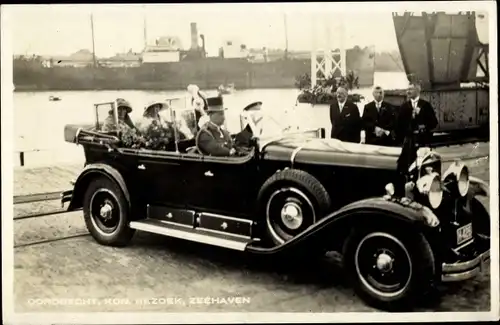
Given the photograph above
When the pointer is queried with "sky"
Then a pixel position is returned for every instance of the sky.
(65, 29)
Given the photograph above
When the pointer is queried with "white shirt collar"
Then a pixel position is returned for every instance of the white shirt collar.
(415, 100)
(342, 104)
(378, 103)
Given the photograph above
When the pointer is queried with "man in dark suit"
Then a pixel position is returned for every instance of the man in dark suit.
(416, 117)
(379, 119)
(345, 118)
(212, 139)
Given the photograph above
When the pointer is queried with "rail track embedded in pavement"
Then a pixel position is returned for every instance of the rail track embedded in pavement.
(42, 197)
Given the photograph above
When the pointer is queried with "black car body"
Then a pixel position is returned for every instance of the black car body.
(293, 193)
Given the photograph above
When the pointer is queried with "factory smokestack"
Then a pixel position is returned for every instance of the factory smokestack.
(194, 37)
(204, 52)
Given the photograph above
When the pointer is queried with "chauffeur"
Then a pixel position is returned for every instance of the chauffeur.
(379, 118)
(242, 139)
(212, 139)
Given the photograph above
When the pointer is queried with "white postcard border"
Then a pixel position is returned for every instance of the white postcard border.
(156, 317)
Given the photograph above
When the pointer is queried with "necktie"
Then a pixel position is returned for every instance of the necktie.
(378, 107)
(414, 104)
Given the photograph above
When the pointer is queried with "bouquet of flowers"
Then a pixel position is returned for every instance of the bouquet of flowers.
(155, 137)
(158, 136)
(132, 138)
(323, 92)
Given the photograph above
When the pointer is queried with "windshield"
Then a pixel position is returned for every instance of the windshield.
(181, 117)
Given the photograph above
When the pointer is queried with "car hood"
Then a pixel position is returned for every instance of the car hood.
(331, 152)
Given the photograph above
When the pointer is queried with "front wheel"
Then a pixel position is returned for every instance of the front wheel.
(388, 269)
(106, 213)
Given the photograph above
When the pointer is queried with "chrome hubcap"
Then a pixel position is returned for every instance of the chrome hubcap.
(291, 215)
(384, 262)
(106, 211)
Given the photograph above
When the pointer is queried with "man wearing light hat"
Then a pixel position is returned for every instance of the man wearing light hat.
(253, 119)
(212, 140)
(199, 103)
(124, 120)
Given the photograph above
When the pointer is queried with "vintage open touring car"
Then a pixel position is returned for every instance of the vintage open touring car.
(289, 192)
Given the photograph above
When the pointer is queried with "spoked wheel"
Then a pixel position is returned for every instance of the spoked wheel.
(106, 213)
(288, 212)
(388, 269)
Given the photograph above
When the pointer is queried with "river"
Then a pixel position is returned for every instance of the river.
(39, 123)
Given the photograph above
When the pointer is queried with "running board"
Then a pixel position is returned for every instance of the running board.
(196, 235)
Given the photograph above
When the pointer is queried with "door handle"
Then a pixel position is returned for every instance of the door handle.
(209, 173)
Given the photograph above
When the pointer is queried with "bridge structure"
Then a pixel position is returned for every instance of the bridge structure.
(442, 50)
(328, 51)
(448, 54)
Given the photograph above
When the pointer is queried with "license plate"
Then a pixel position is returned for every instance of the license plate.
(464, 234)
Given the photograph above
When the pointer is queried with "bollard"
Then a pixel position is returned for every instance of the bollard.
(21, 158)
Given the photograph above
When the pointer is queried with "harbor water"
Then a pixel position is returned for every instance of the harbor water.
(39, 123)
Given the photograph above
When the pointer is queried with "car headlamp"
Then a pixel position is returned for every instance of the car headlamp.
(456, 178)
(430, 186)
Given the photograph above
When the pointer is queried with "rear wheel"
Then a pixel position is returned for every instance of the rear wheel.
(388, 268)
(292, 200)
(106, 213)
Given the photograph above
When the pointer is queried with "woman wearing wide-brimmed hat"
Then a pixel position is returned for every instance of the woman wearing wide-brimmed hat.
(124, 121)
(153, 119)
(152, 114)
(153, 109)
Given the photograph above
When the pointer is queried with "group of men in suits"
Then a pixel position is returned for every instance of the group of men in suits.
(381, 123)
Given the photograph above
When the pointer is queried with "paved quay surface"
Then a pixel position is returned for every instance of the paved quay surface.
(160, 274)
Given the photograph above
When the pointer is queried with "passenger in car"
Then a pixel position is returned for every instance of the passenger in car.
(200, 105)
(124, 120)
(212, 139)
(152, 113)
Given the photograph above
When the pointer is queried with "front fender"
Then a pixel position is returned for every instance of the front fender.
(478, 187)
(89, 172)
(374, 207)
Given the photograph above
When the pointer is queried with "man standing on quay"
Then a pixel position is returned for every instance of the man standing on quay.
(379, 119)
(416, 117)
(345, 118)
